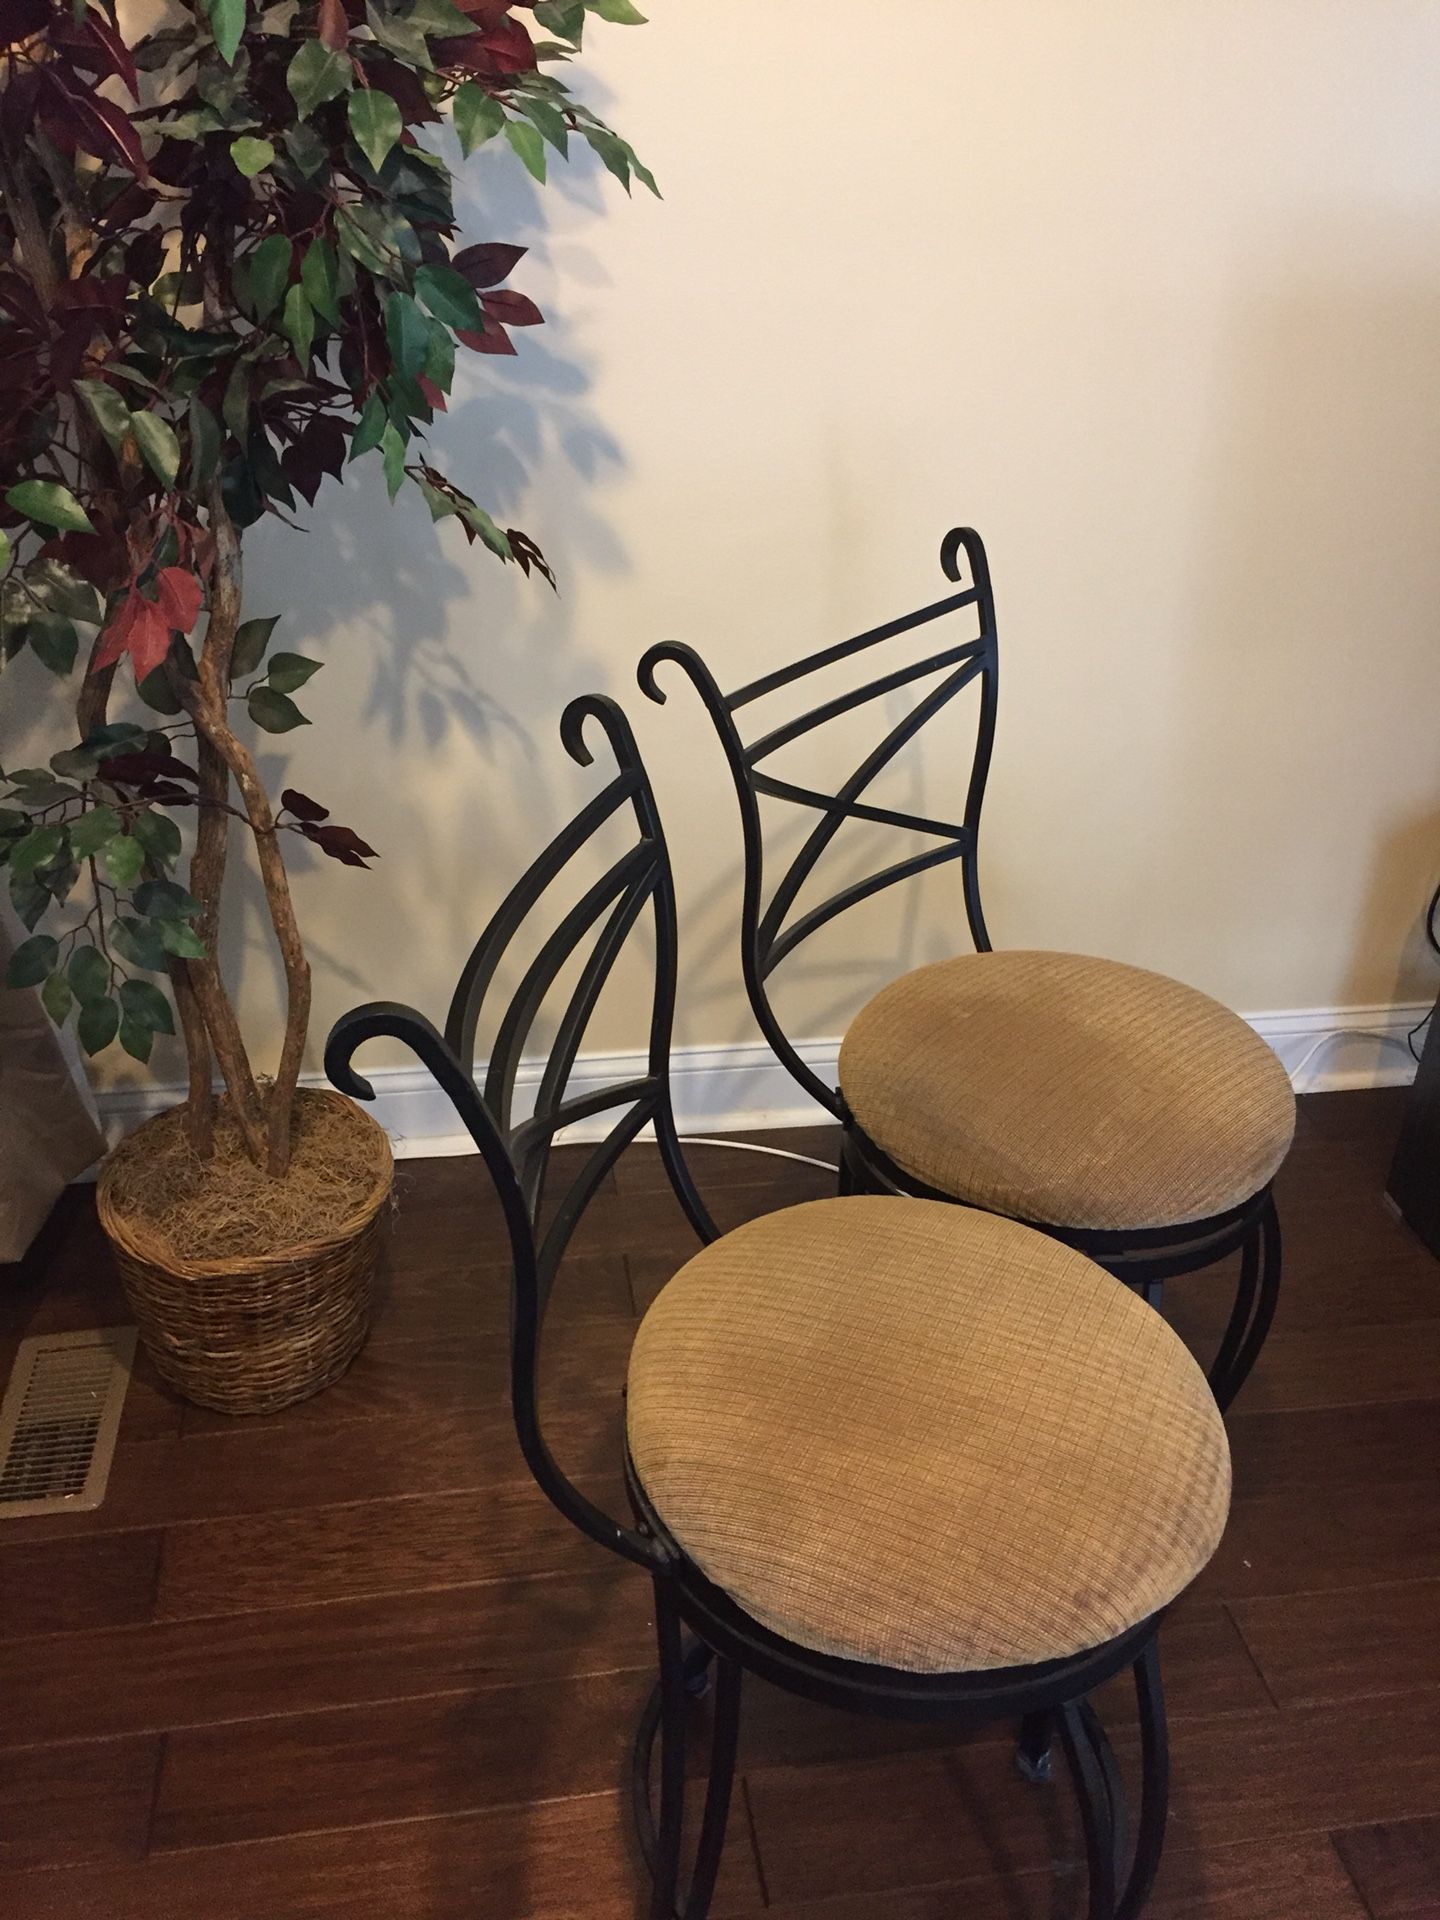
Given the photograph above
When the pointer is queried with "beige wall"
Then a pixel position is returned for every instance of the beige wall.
(1149, 293)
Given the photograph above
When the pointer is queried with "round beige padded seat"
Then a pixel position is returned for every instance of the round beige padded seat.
(1067, 1090)
(907, 1433)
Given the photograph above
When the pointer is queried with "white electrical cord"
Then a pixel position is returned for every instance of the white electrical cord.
(750, 1146)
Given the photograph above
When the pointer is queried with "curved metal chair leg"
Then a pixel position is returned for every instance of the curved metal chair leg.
(1094, 1795)
(1154, 1785)
(724, 1738)
(685, 1665)
(1033, 1757)
(1114, 1787)
(665, 1713)
(1255, 1305)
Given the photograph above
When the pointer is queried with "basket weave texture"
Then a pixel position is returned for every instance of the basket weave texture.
(262, 1331)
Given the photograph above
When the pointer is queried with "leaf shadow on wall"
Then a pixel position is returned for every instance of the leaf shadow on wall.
(452, 641)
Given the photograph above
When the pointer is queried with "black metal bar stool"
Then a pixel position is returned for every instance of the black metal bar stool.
(1115, 1109)
(903, 1457)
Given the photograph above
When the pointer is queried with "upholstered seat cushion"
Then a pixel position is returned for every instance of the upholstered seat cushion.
(908, 1433)
(1066, 1090)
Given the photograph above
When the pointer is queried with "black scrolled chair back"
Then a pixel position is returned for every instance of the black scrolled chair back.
(768, 933)
(517, 1155)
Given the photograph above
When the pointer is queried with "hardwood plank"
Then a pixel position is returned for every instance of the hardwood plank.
(1298, 1879)
(640, 1169)
(916, 1820)
(1396, 1866)
(369, 1547)
(1345, 1366)
(450, 1369)
(184, 1673)
(85, 1801)
(1308, 1540)
(266, 1467)
(54, 1586)
(1341, 1447)
(563, 1859)
(402, 1760)
(1351, 1645)
(473, 1297)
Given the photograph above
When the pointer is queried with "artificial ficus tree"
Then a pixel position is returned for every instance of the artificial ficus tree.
(227, 269)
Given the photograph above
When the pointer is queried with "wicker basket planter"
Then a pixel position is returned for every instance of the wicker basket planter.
(258, 1332)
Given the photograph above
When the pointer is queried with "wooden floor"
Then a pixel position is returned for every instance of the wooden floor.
(345, 1661)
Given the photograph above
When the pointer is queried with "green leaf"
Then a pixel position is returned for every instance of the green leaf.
(251, 155)
(98, 1024)
(124, 858)
(49, 505)
(290, 670)
(158, 835)
(307, 148)
(549, 120)
(406, 332)
(251, 640)
(139, 942)
(110, 412)
(204, 444)
(316, 75)
(450, 297)
(621, 12)
(269, 270)
(227, 23)
(440, 17)
(298, 322)
(375, 122)
(53, 641)
(29, 900)
(4, 550)
(477, 518)
(478, 118)
(63, 591)
(440, 359)
(156, 440)
(89, 974)
(392, 450)
(566, 18)
(57, 999)
(378, 239)
(273, 711)
(147, 1005)
(136, 1038)
(441, 505)
(400, 37)
(236, 404)
(318, 276)
(32, 961)
(92, 830)
(165, 900)
(181, 939)
(527, 142)
(36, 850)
(370, 425)
(157, 693)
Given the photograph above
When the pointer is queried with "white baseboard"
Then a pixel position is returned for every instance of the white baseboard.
(734, 1089)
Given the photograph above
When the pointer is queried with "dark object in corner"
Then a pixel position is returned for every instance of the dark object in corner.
(1414, 1183)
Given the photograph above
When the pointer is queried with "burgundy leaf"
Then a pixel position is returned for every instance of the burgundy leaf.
(122, 61)
(334, 27)
(302, 806)
(179, 597)
(341, 843)
(18, 297)
(515, 309)
(139, 629)
(488, 263)
(529, 555)
(404, 88)
(493, 340)
(99, 558)
(431, 392)
(135, 769)
(20, 18)
(89, 121)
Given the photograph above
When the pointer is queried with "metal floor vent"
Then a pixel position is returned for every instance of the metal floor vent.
(59, 1419)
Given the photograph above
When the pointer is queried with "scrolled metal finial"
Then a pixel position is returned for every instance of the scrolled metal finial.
(610, 716)
(689, 661)
(968, 540)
